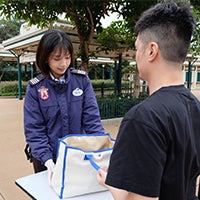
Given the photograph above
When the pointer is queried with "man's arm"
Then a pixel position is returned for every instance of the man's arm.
(119, 194)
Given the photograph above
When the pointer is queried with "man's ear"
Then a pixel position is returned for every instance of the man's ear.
(152, 51)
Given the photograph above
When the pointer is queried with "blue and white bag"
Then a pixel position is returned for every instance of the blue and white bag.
(79, 158)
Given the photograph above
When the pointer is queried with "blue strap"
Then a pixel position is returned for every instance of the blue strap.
(92, 162)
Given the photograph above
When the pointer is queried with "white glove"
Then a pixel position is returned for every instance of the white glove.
(50, 167)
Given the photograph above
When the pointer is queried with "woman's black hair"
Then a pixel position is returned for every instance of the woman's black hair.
(51, 40)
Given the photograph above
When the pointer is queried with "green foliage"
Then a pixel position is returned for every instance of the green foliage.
(195, 44)
(9, 28)
(7, 67)
(99, 81)
(195, 4)
(95, 72)
(10, 88)
(116, 36)
(85, 14)
(128, 69)
(35, 12)
(131, 10)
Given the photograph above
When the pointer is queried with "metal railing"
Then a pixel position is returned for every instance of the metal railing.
(115, 107)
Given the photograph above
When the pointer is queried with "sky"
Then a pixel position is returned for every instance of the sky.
(108, 19)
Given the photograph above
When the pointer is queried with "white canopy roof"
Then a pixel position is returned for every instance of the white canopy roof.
(26, 43)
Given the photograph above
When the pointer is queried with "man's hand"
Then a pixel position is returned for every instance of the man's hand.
(101, 176)
(50, 167)
(119, 194)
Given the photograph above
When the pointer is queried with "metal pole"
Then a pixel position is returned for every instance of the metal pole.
(110, 72)
(189, 75)
(119, 76)
(103, 73)
(19, 79)
(31, 70)
(115, 77)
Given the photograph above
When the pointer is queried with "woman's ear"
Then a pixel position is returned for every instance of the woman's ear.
(152, 51)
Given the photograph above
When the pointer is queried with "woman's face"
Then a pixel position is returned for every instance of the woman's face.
(59, 61)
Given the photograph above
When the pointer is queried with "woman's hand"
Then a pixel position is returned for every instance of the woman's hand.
(50, 168)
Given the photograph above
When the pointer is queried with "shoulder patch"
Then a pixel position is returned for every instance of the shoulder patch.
(77, 71)
(36, 80)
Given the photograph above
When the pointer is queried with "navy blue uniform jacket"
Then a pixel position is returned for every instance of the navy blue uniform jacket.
(53, 110)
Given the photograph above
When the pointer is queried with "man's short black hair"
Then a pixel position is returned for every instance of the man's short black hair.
(169, 24)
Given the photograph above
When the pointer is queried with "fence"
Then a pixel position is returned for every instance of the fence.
(116, 107)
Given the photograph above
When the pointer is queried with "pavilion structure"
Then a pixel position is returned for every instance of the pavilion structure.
(6, 55)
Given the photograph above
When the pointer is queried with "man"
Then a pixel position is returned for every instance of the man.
(157, 151)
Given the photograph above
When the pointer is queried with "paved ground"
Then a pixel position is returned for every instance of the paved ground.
(12, 158)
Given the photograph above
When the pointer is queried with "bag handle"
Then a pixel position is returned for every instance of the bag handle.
(92, 162)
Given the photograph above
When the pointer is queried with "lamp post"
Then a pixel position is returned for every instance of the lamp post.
(191, 61)
(189, 75)
(103, 66)
(31, 69)
(19, 79)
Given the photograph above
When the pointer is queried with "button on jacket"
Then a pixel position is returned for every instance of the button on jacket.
(53, 109)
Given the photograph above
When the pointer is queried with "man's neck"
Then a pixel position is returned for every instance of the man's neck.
(164, 75)
(154, 86)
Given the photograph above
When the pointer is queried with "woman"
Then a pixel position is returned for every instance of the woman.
(58, 102)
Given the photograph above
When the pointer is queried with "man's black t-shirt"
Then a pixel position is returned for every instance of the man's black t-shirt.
(157, 151)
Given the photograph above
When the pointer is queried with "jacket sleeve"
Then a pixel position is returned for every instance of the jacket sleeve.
(91, 116)
(35, 126)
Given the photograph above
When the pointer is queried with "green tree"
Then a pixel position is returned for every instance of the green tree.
(195, 4)
(195, 43)
(116, 37)
(85, 15)
(9, 28)
(131, 10)
(120, 35)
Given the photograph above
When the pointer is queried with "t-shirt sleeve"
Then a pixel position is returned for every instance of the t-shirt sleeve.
(138, 158)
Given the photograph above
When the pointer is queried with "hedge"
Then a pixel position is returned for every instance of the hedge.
(10, 88)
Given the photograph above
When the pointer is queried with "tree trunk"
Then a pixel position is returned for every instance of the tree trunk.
(84, 66)
(84, 46)
(136, 84)
(1, 76)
